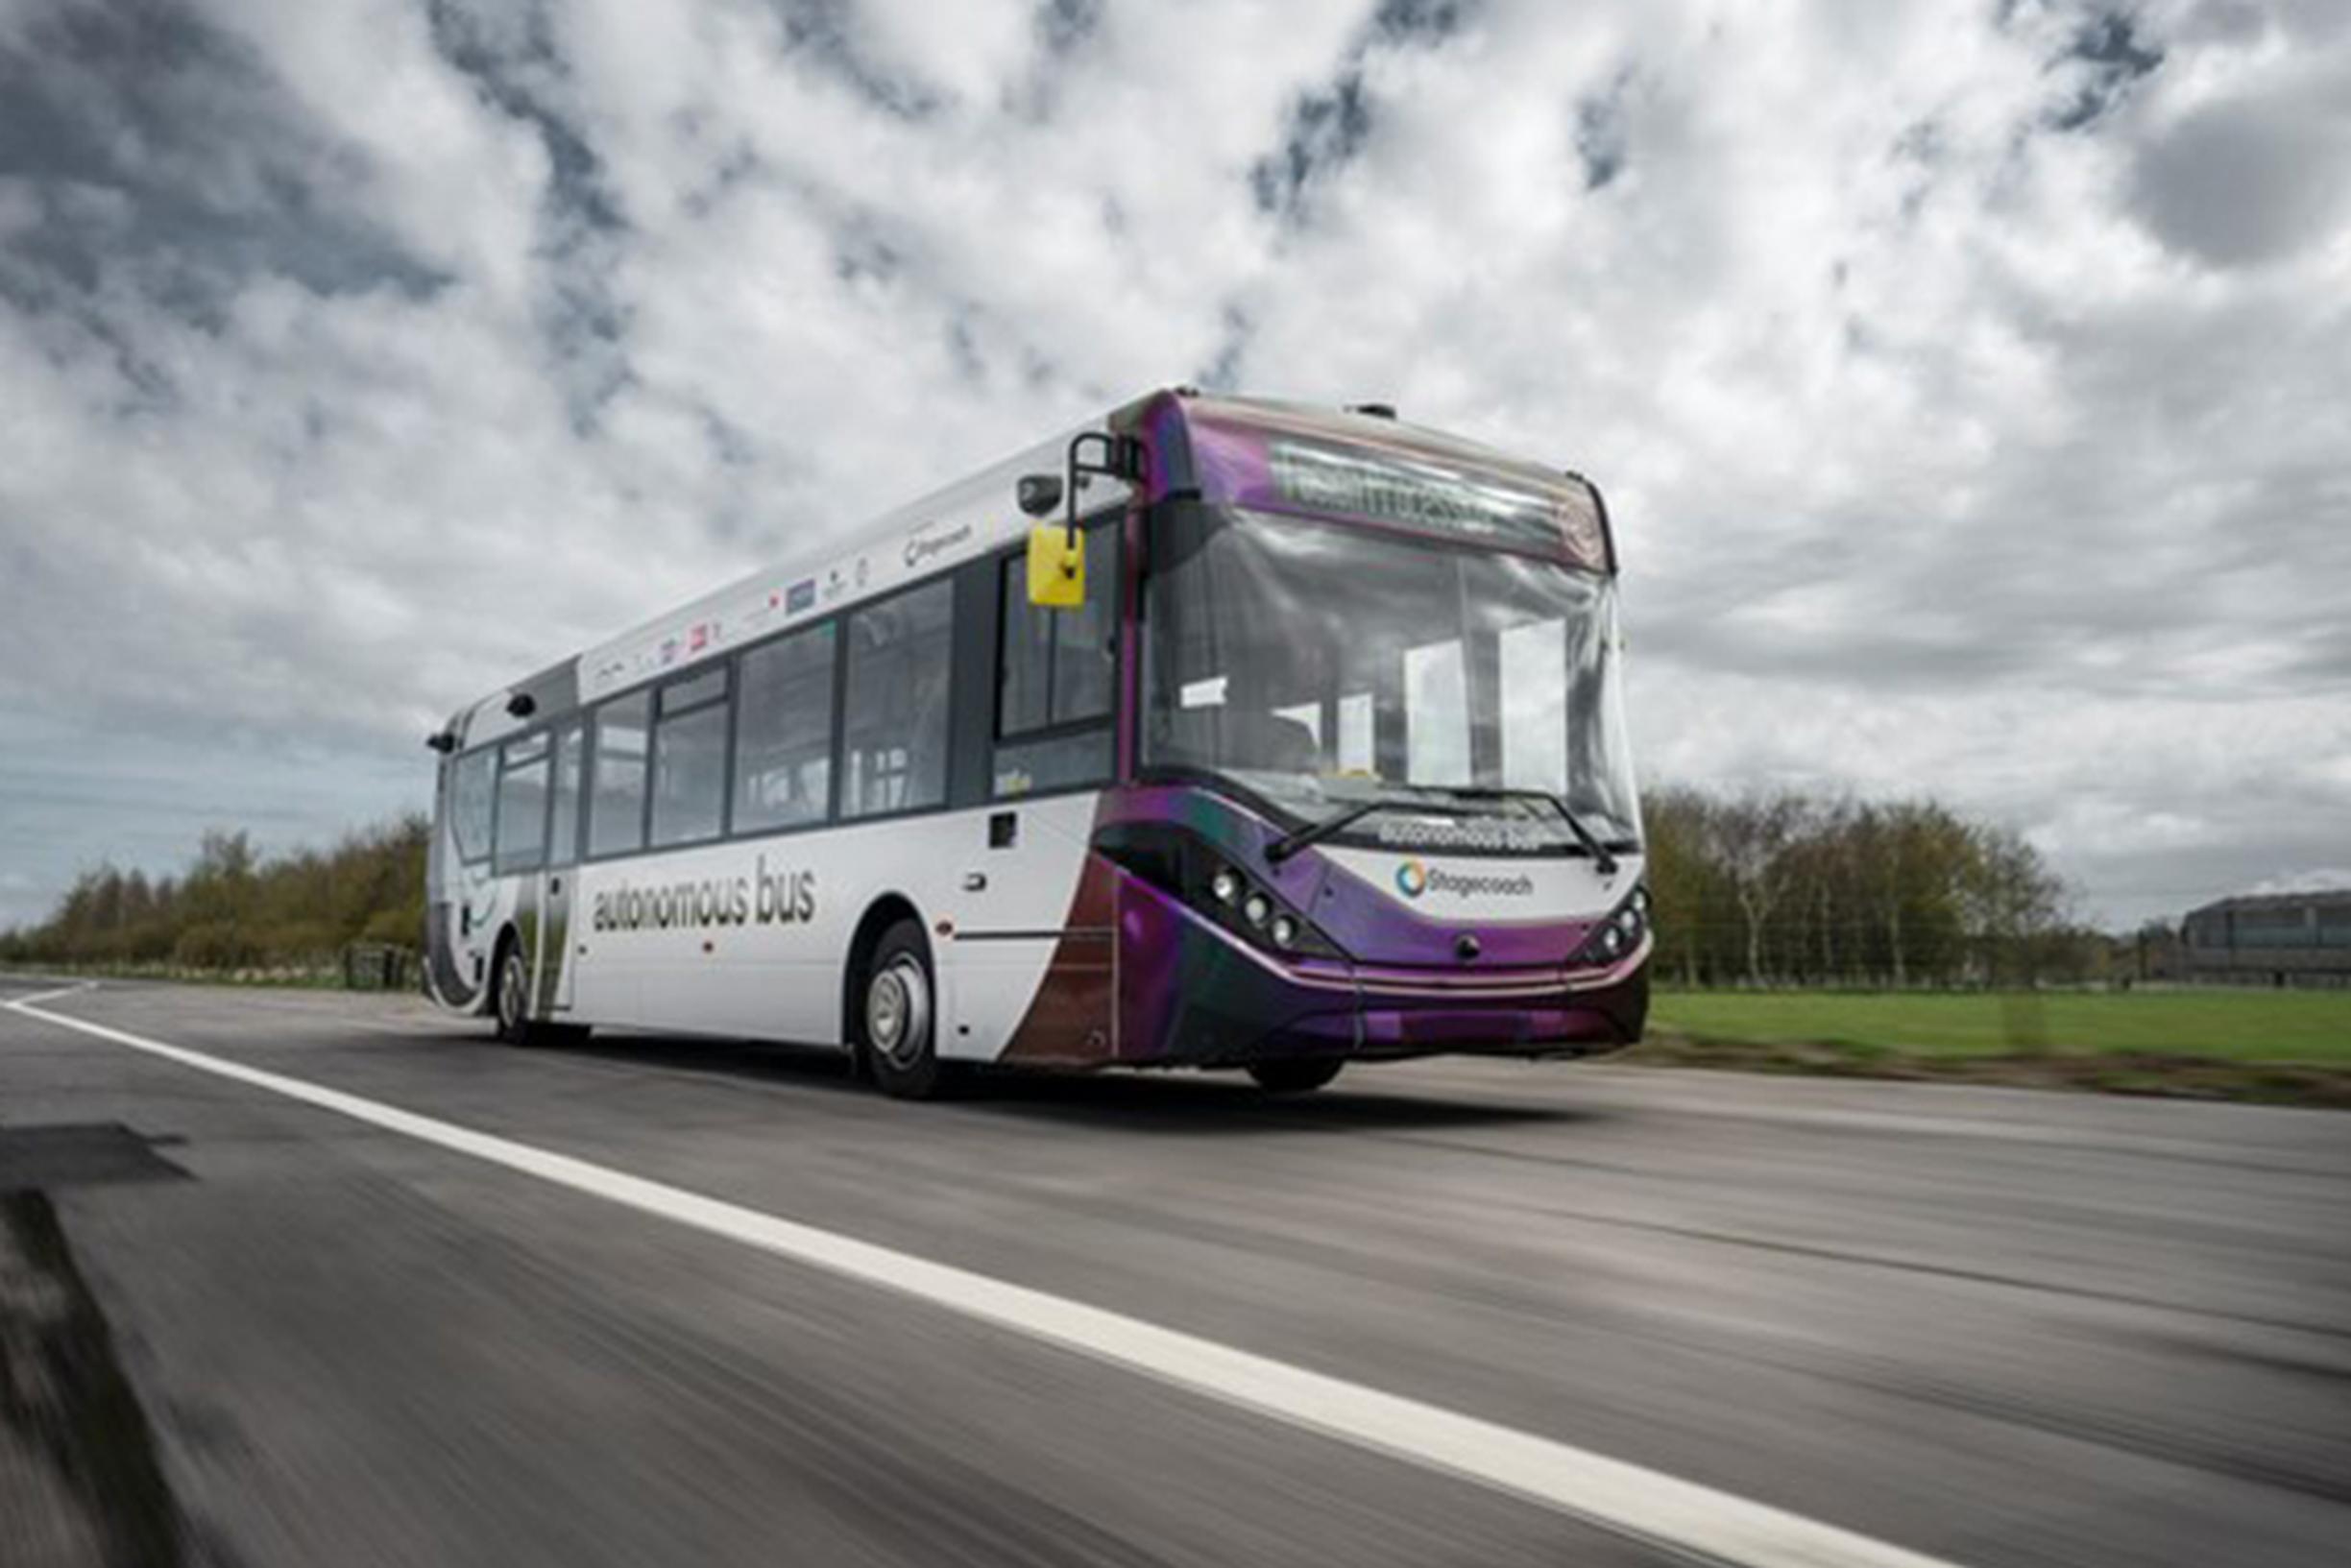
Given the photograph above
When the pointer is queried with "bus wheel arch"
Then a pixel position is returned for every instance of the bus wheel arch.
(879, 917)
(892, 950)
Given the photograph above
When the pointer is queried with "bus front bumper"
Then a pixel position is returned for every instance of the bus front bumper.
(1201, 999)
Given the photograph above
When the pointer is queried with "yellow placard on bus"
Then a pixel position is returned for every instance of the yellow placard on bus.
(1056, 568)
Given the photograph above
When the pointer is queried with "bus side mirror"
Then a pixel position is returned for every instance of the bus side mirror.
(1039, 494)
(1056, 566)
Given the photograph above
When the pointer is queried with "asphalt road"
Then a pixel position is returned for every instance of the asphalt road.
(1993, 1326)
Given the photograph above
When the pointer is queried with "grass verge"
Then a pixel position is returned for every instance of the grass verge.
(2273, 1046)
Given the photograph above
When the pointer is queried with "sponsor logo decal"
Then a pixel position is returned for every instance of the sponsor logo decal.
(923, 546)
(778, 897)
(1415, 878)
(800, 595)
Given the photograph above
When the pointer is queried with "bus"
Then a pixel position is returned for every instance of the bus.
(1220, 732)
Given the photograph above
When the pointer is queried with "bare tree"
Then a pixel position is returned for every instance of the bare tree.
(1748, 839)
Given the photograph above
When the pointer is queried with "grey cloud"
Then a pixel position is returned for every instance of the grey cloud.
(2249, 181)
(162, 153)
(1062, 25)
(509, 53)
(825, 31)
(511, 57)
(2106, 58)
(1421, 21)
(1224, 366)
(1328, 127)
(1600, 132)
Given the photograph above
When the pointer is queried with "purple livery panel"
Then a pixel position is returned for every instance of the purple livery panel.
(1179, 990)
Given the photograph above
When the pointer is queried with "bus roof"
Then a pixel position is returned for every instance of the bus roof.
(1251, 451)
(972, 516)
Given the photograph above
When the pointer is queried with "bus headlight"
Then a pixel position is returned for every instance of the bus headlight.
(1210, 881)
(1616, 935)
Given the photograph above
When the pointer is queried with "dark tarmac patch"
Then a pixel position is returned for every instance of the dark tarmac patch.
(64, 1398)
(80, 1154)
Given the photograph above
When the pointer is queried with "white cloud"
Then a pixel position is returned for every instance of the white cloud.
(1971, 427)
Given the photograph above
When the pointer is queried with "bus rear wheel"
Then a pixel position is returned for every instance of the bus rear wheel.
(897, 1019)
(1296, 1076)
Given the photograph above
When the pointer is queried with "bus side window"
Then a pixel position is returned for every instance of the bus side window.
(689, 743)
(784, 733)
(894, 720)
(615, 803)
(1056, 669)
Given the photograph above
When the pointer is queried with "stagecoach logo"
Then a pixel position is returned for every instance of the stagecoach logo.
(764, 898)
(923, 546)
(1415, 877)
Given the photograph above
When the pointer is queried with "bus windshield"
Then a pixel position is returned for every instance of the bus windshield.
(1318, 667)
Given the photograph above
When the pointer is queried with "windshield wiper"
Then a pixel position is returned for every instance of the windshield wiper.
(1314, 832)
(1603, 859)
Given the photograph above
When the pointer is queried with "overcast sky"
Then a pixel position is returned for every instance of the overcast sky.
(1971, 380)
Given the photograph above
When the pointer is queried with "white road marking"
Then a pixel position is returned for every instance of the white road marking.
(1629, 1499)
(52, 996)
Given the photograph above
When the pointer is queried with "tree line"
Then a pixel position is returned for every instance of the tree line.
(1786, 887)
(1773, 888)
(233, 909)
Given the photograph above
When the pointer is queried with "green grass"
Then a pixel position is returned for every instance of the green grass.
(2232, 1025)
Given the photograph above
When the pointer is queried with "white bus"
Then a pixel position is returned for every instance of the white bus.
(1293, 737)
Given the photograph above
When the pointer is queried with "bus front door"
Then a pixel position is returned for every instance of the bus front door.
(1034, 955)
(556, 965)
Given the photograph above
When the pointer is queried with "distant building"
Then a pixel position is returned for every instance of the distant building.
(2270, 939)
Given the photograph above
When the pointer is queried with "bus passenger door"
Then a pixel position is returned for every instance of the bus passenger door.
(557, 963)
(1035, 947)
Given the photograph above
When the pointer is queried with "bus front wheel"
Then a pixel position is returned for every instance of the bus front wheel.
(1294, 1075)
(898, 1019)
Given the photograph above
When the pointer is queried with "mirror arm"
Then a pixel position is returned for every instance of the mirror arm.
(1122, 458)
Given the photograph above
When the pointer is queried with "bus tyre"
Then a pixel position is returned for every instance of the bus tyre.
(897, 1018)
(510, 999)
(1294, 1075)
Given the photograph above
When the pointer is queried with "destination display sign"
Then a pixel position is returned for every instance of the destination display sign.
(1402, 483)
(1394, 488)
